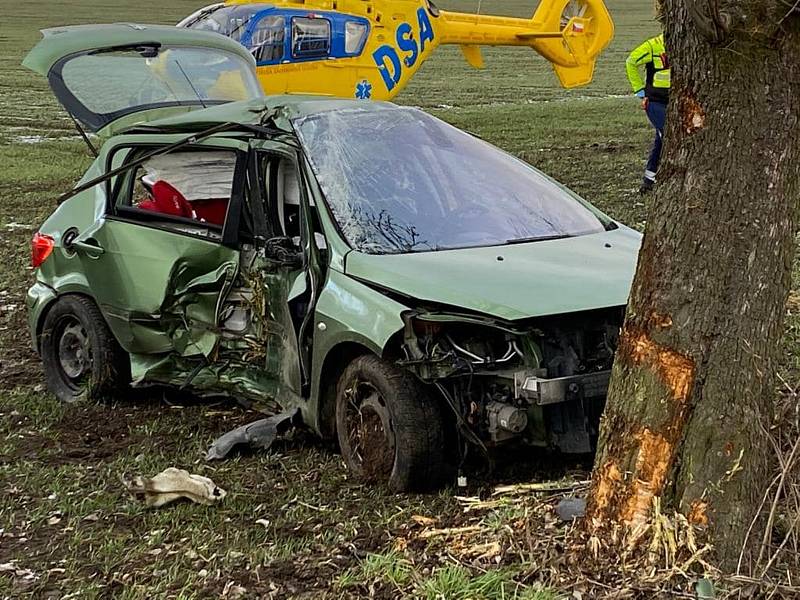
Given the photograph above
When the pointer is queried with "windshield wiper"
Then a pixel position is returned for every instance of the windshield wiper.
(542, 238)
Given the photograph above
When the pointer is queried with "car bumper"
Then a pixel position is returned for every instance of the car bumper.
(39, 297)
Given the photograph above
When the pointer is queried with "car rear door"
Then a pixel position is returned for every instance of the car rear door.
(164, 280)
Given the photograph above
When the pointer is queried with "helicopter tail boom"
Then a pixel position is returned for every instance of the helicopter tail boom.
(570, 34)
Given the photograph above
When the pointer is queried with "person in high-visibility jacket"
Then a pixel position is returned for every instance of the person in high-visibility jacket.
(654, 92)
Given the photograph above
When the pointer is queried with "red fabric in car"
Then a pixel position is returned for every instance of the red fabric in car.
(211, 210)
(168, 200)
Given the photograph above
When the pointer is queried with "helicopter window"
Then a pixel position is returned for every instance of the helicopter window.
(266, 42)
(231, 21)
(311, 37)
(355, 34)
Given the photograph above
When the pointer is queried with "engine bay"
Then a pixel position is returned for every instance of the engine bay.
(542, 382)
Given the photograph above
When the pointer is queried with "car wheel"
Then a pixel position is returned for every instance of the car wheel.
(390, 429)
(81, 358)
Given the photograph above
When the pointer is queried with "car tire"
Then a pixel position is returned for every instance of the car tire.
(81, 357)
(391, 430)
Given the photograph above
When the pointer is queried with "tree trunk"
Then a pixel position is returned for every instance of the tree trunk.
(693, 377)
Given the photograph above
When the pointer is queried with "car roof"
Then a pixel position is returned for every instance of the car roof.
(72, 39)
(251, 112)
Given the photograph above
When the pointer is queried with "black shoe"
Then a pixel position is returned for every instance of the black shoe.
(647, 186)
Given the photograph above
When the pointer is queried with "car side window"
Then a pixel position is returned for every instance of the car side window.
(185, 191)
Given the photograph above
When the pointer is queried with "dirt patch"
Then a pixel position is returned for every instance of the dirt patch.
(98, 432)
(19, 364)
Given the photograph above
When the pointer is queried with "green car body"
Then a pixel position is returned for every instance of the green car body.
(245, 309)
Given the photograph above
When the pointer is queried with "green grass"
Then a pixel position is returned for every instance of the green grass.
(64, 516)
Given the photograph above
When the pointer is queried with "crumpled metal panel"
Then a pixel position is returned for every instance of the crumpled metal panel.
(232, 334)
(192, 304)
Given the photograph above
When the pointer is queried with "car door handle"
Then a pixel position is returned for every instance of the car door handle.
(90, 249)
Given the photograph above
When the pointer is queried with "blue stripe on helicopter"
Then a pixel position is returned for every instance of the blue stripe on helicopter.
(279, 50)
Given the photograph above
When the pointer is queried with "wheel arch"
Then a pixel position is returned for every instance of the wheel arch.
(48, 306)
(335, 362)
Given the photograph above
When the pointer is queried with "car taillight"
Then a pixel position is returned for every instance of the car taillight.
(41, 247)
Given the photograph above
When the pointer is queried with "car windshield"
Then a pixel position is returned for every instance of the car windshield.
(103, 85)
(398, 180)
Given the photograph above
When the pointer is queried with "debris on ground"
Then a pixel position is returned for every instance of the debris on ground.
(258, 435)
(173, 484)
(569, 509)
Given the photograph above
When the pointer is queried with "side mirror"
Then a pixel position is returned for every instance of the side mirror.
(284, 251)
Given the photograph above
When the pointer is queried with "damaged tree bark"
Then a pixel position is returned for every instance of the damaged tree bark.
(693, 377)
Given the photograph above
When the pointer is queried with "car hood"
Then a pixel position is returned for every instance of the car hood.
(516, 281)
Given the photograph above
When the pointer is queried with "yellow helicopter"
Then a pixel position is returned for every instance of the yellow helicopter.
(370, 49)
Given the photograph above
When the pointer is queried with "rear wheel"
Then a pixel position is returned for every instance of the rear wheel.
(81, 358)
(390, 430)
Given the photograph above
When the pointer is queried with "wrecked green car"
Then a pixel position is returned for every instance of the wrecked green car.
(406, 287)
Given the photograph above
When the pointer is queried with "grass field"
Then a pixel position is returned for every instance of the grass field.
(292, 524)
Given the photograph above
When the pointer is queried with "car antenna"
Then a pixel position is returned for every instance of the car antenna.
(189, 81)
(85, 137)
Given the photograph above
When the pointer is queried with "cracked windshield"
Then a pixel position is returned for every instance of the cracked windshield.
(404, 181)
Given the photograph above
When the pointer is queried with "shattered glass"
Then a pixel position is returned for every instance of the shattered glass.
(399, 180)
(197, 175)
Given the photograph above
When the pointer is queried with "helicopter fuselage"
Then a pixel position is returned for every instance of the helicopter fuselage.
(370, 49)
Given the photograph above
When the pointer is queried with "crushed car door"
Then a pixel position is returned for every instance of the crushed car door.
(164, 261)
(285, 267)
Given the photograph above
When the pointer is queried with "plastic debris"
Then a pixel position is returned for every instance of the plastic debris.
(258, 434)
(172, 484)
(569, 509)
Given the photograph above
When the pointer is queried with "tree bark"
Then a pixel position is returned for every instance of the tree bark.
(693, 377)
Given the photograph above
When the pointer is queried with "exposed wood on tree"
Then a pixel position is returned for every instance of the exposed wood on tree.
(693, 377)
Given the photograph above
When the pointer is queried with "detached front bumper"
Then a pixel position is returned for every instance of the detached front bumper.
(38, 298)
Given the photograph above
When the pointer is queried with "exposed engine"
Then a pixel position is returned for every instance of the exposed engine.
(542, 382)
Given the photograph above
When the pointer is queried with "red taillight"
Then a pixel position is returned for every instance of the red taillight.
(41, 247)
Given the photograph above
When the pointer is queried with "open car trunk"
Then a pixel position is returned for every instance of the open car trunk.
(109, 77)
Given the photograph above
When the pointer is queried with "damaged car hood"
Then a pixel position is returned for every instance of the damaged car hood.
(516, 281)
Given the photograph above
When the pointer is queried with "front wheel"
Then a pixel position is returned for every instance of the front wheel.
(390, 429)
(81, 357)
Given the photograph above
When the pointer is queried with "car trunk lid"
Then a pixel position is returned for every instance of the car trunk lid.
(114, 76)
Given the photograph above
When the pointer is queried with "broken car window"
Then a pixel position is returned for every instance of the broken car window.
(192, 185)
(403, 181)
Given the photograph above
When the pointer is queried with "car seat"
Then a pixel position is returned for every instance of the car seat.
(168, 200)
(288, 196)
(211, 210)
(288, 200)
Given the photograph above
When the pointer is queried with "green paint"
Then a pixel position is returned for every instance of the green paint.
(512, 282)
(167, 296)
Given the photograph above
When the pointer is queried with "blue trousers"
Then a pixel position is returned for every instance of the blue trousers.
(657, 113)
